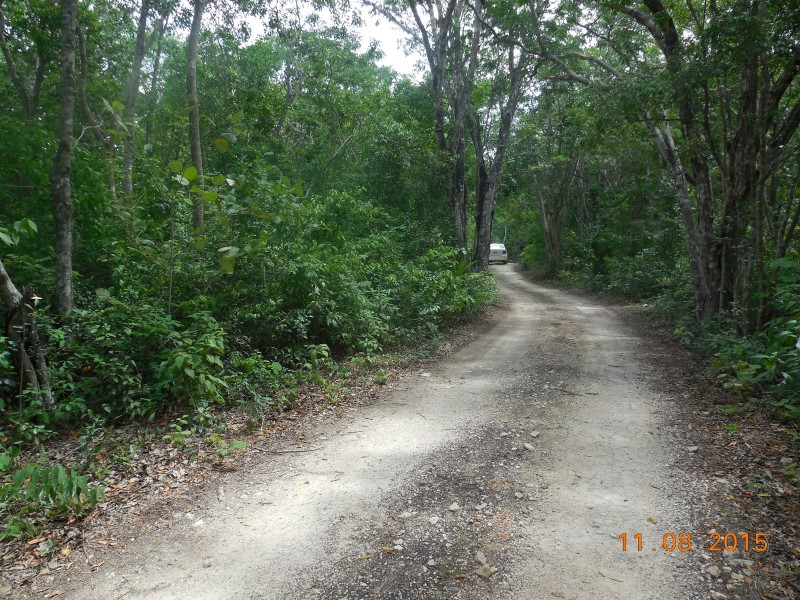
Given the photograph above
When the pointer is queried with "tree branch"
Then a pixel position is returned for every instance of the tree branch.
(12, 70)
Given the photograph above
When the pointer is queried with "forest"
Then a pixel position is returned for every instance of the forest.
(195, 216)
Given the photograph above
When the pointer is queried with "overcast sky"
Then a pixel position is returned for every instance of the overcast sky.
(390, 39)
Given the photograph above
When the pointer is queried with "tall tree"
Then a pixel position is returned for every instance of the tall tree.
(130, 100)
(195, 147)
(61, 171)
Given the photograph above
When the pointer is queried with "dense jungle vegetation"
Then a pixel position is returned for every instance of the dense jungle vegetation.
(193, 216)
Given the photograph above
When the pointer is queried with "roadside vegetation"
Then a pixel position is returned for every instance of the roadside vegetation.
(311, 232)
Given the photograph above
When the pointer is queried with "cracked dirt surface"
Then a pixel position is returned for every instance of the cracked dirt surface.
(507, 470)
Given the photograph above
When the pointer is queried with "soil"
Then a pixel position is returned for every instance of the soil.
(510, 469)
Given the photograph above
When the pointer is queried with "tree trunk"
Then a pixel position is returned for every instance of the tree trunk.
(26, 350)
(130, 100)
(484, 216)
(194, 110)
(60, 173)
(153, 95)
(95, 127)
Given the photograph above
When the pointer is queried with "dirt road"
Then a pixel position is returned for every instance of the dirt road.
(506, 471)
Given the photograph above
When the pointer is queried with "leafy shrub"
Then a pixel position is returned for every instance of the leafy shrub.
(129, 359)
(36, 491)
(769, 362)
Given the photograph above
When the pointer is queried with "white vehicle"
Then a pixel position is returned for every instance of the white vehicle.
(497, 253)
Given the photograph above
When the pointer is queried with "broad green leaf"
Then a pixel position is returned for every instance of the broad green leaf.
(227, 263)
(221, 144)
(238, 444)
(102, 294)
(210, 196)
(7, 239)
(230, 137)
(117, 105)
(176, 166)
(190, 173)
(236, 116)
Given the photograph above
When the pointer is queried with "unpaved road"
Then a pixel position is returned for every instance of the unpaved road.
(530, 449)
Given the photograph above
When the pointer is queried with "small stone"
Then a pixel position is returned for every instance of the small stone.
(480, 506)
(405, 515)
(534, 434)
(433, 520)
(199, 523)
(742, 562)
(480, 557)
(519, 495)
(528, 446)
(714, 571)
(785, 461)
(715, 595)
(692, 449)
(504, 434)
(206, 564)
(431, 563)
(454, 507)
(398, 547)
(485, 571)
(737, 576)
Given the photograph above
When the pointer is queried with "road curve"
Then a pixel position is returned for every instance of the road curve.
(507, 470)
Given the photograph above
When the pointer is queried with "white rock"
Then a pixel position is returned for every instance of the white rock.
(480, 557)
(714, 571)
(528, 446)
(433, 520)
(534, 434)
(454, 507)
(692, 448)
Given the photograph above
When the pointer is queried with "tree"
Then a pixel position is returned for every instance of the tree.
(195, 145)
(60, 183)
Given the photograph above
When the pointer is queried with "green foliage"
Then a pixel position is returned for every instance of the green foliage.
(768, 362)
(35, 491)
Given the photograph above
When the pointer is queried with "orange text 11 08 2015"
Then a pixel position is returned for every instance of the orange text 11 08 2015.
(684, 541)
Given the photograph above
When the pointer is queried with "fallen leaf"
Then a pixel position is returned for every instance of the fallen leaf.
(365, 556)
(388, 549)
(652, 520)
(461, 576)
(559, 594)
(35, 541)
(65, 551)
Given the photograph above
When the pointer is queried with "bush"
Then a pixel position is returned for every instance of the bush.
(768, 363)
(36, 491)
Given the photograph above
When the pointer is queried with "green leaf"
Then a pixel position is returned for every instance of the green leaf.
(236, 116)
(7, 239)
(176, 166)
(190, 173)
(229, 137)
(227, 263)
(238, 444)
(210, 196)
(117, 105)
(221, 144)
(102, 294)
